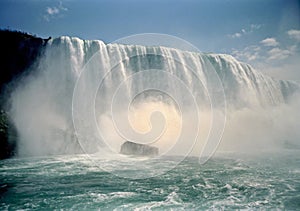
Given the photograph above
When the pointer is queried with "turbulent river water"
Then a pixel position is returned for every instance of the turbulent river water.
(266, 181)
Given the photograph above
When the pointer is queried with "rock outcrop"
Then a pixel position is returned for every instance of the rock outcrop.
(19, 52)
(130, 148)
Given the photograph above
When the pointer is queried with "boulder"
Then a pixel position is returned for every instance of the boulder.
(131, 148)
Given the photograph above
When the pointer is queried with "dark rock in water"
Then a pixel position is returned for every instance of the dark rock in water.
(8, 136)
(130, 148)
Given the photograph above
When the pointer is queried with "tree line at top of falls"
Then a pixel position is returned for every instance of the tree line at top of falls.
(19, 51)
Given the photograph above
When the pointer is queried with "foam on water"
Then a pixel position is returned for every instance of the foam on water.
(74, 182)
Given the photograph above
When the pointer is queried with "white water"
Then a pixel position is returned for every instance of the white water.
(261, 112)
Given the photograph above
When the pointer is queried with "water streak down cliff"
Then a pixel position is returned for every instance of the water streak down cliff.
(42, 103)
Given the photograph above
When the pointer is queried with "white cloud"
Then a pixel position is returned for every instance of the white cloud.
(248, 54)
(250, 29)
(235, 35)
(269, 42)
(254, 27)
(294, 34)
(277, 62)
(279, 54)
(280, 60)
(263, 53)
(53, 12)
(286, 70)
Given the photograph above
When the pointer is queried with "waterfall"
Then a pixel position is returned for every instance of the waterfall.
(65, 105)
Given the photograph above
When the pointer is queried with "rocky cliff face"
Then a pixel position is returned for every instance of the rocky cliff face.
(130, 148)
(19, 51)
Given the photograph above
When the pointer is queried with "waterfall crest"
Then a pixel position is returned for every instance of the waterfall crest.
(42, 102)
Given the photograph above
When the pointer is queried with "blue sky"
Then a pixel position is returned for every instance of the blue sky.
(264, 33)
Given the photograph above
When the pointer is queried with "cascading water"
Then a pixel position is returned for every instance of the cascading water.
(44, 106)
(96, 99)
